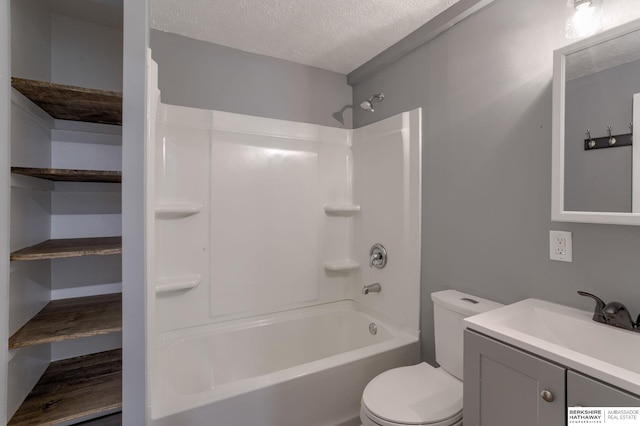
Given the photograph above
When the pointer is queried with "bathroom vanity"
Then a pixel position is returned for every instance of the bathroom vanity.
(529, 361)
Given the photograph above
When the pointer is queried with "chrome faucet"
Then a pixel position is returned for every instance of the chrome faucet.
(612, 313)
(371, 288)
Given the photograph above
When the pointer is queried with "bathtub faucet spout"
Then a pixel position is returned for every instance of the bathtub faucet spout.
(371, 288)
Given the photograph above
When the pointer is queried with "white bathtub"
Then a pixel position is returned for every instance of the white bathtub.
(302, 367)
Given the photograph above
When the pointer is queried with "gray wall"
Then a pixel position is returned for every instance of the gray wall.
(31, 40)
(81, 45)
(204, 75)
(485, 88)
(599, 180)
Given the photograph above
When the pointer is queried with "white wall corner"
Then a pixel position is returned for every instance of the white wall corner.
(134, 143)
(5, 185)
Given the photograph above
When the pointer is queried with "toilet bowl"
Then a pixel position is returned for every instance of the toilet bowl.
(422, 394)
(415, 395)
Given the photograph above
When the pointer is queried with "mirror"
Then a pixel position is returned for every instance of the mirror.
(596, 93)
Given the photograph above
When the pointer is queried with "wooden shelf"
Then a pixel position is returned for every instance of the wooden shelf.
(70, 247)
(69, 175)
(68, 319)
(72, 103)
(74, 389)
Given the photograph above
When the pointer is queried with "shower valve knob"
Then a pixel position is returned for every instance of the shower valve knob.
(377, 256)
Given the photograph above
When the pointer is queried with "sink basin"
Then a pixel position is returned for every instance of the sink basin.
(567, 336)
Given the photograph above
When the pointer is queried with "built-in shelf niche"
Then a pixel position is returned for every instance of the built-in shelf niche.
(341, 209)
(80, 388)
(341, 265)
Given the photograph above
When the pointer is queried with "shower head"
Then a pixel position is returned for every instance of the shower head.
(368, 104)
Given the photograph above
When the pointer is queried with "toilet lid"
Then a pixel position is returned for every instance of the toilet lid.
(415, 395)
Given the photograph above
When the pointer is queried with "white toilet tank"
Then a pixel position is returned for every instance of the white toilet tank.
(450, 307)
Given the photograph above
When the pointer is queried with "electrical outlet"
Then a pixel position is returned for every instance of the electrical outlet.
(560, 246)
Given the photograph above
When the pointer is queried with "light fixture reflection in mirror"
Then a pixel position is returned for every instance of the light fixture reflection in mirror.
(585, 18)
(582, 4)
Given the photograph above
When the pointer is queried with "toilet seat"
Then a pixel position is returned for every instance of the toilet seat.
(369, 419)
(415, 395)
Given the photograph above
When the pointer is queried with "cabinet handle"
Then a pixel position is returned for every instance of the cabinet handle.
(546, 395)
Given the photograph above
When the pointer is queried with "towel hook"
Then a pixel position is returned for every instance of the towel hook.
(612, 140)
(591, 144)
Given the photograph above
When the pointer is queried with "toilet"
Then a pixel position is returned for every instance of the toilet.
(421, 394)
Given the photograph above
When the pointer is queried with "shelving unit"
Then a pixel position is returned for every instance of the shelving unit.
(82, 387)
(74, 390)
(86, 388)
(65, 305)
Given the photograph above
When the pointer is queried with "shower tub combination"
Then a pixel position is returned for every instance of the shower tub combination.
(302, 367)
(255, 246)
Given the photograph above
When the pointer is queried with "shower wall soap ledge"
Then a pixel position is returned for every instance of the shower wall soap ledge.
(177, 210)
(341, 265)
(341, 209)
(174, 284)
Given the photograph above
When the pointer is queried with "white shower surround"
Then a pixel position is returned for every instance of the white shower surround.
(241, 225)
(252, 231)
(259, 219)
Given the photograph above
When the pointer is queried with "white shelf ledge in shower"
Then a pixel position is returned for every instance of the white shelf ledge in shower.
(341, 209)
(176, 284)
(177, 210)
(341, 265)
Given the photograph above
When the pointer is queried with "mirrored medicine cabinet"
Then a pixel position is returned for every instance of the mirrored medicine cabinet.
(596, 100)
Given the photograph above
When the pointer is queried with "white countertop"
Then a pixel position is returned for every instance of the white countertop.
(568, 337)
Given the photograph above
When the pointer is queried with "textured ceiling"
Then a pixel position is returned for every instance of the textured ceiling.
(603, 56)
(336, 35)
